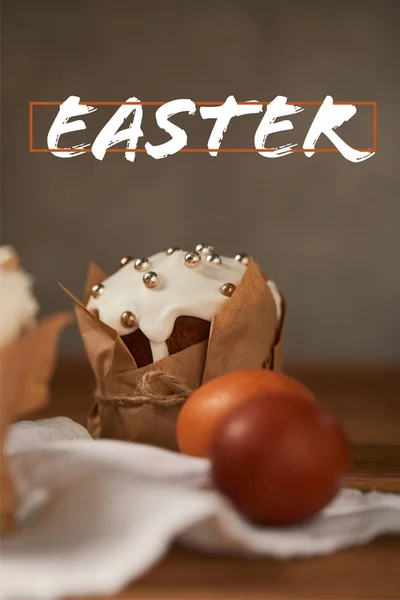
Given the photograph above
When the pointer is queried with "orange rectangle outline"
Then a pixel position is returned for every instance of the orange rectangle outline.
(197, 103)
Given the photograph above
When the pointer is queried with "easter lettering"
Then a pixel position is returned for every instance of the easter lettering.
(329, 117)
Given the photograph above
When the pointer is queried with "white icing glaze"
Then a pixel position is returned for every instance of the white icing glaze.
(158, 350)
(18, 304)
(181, 291)
(277, 297)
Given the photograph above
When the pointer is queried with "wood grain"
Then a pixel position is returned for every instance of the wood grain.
(367, 401)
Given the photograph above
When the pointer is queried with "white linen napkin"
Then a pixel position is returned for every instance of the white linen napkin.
(108, 511)
(25, 435)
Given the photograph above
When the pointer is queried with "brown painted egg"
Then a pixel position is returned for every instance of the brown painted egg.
(203, 411)
(279, 458)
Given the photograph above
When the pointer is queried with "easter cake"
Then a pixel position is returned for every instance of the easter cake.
(159, 327)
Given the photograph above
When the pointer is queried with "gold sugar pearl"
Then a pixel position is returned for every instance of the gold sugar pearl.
(214, 259)
(192, 259)
(97, 290)
(172, 250)
(244, 259)
(128, 319)
(150, 279)
(205, 249)
(125, 260)
(141, 264)
(227, 289)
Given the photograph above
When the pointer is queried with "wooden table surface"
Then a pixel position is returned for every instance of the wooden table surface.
(367, 401)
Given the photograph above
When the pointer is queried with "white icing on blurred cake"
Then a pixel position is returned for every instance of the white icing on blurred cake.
(18, 306)
(277, 298)
(180, 291)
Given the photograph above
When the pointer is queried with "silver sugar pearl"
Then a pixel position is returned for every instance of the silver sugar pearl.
(205, 249)
(128, 319)
(97, 290)
(192, 259)
(244, 259)
(227, 289)
(172, 250)
(214, 259)
(125, 260)
(141, 264)
(150, 279)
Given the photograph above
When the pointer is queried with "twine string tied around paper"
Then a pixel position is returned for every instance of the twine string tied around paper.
(155, 387)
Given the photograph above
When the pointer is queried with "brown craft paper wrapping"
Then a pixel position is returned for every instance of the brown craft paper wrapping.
(26, 366)
(243, 335)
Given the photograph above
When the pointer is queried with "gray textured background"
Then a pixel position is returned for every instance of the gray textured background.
(325, 229)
